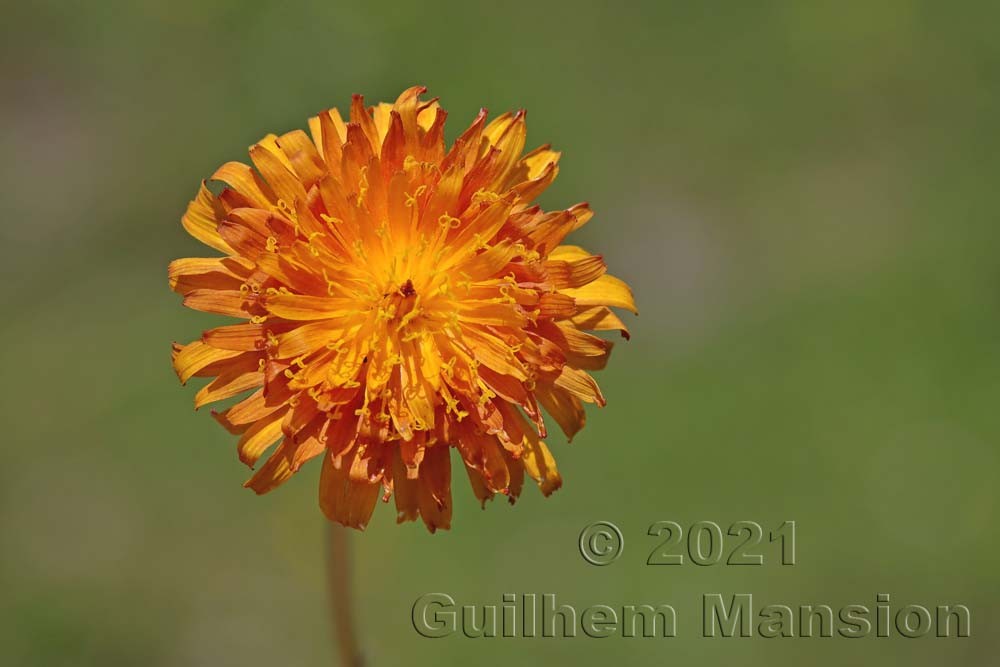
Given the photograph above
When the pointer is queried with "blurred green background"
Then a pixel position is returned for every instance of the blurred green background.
(803, 196)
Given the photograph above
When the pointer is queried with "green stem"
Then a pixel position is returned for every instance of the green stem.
(338, 575)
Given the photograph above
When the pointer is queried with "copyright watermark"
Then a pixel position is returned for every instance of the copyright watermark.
(601, 543)
(727, 615)
(438, 615)
(703, 543)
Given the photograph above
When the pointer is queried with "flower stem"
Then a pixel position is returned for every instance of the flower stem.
(338, 575)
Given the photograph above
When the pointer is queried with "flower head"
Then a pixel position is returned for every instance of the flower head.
(399, 299)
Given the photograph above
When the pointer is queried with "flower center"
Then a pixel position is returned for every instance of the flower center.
(399, 306)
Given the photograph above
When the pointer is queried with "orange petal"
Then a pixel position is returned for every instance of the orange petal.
(303, 156)
(278, 175)
(251, 409)
(218, 273)
(221, 302)
(564, 407)
(202, 217)
(275, 471)
(347, 502)
(478, 484)
(599, 318)
(580, 384)
(259, 437)
(556, 306)
(197, 357)
(235, 380)
(575, 273)
(332, 134)
(363, 118)
(537, 459)
(405, 490)
(499, 314)
(242, 179)
(241, 337)
(605, 291)
(304, 307)
(508, 136)
(434, 491)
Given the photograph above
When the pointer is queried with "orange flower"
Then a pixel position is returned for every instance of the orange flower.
(399, 299)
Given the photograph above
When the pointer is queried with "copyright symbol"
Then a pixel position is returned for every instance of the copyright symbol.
(601, 543)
